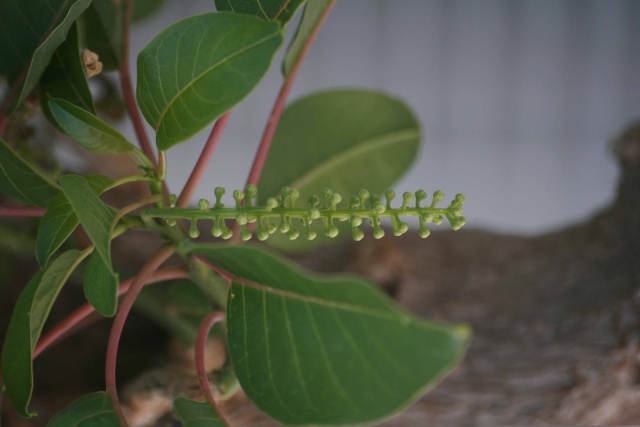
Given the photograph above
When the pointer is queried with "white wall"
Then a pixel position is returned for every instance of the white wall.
(516, 97)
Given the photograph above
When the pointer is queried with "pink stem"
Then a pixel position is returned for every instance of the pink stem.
(201, 344)
(61, 328)
(22, 211)
(276, 111)
(203, 161)
(118, 324)
(128, 93)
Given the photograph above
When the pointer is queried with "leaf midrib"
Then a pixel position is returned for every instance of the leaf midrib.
(379, 313)
(359, 149)
(208, 70)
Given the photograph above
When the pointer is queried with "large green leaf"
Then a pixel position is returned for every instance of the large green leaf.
(60, 220)
(94, 215)
(91, 410)
(104, 26)
(312, 15)
(29, 315)
(87, 129)
(101, 286)
(314, 350)
(20, 180)
(31, 32)
(346, 140)
(218, 58)
(64, 78)
(265, 9)
(195, 414)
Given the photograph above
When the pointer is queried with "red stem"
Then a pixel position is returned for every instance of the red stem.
(127, 89)
(22, 211)
(64, 326)
(201, 344)
(276, 111)
(118, 324)
(203, 161)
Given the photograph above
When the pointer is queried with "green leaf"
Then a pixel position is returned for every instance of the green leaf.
(29, 315)
(346, 140)
(32, 31)
(94, 215)
(314, 350)
(195, 414)
(103, 23)
(313, 12)
(101, 286)
(21, 181)
(88, 130)
(64, 78)
(218, 59)
(265, 9)
(60, 220)
(92, 410)
(142, 9)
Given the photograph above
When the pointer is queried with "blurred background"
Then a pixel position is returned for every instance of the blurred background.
(517, 98)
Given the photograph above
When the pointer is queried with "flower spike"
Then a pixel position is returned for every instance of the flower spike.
(326, 207)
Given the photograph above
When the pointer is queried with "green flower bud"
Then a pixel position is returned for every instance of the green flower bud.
(271, 203)
(193, 230)
(438, 196)
(245, 234)
(335, 199)
(406, 198)
(424, 231)
(250, 193)
(219, 192)
(458, 223)
(379, 209)
(293, 234)
(389, 195)
(292, 197)
(238, 196)
(241, 218)
(357, 234)
(203, 204)
(226, 234)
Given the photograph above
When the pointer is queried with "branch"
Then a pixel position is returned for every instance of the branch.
(201, 344)
(118, 324)
(127, 89)
(22, 211)
(203, 161)
(276, 111)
